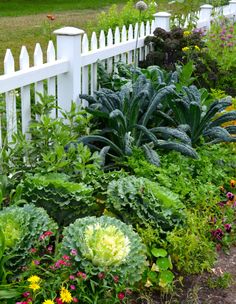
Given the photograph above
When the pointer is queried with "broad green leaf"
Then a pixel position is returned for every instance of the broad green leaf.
(163, 263)
(159, 252)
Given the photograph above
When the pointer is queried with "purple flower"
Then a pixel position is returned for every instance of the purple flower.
(230, 196)
(228, 227)
(217, 234)
(222, 203)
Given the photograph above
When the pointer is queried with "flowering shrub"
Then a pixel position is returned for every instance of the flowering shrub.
(22, 227)
(105, 244)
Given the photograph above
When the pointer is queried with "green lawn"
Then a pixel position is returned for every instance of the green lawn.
(31, 7)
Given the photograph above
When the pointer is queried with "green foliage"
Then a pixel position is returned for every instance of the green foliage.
(160, 273)
(190, 114)
(191, 250)
(138, 201)
(64, 200)
(223, 281)
(118, 16)
(21, 228)
(125, 119)
(105, 244)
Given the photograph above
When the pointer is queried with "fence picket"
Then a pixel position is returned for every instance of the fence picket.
(51, 57)
(124, 39)
(130, 37)
(102, 44)
(142, 35)
(109, 43)
(38, 60)
(94, 46)
(25, 94)
(85, 70)
(117, 41)
(9, 67)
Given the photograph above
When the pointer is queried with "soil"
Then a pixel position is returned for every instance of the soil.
(197, 290)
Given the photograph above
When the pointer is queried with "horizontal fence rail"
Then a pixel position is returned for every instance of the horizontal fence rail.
(71, 68)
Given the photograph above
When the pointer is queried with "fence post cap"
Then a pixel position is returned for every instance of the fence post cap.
(206, 6)
(162, 14)
(68, 31)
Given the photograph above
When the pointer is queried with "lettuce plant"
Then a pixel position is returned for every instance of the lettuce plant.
(22, 227)
(105, 244)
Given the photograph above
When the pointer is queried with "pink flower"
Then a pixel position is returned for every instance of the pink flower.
(72, 287)
(121, 296)
(230, 196)
(82, 275)
(71, 277)
(75, 300)
(48, 233)
(59, 301)
(50, 248)
(73, 252)
(36, 262)
(26, 294)
(66, 257)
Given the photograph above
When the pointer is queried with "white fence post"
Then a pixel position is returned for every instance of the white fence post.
(69, 84)
(205, 14)
(232, 6)
(162, 20)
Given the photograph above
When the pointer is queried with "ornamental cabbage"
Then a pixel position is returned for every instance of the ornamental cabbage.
(22, 227)
(105, 244)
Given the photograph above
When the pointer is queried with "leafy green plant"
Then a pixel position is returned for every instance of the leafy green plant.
(223, 281)
(118, 16)
(190, 247)
(160, 273)
(198, 121)
(21, 228)
(138, 201)
(125, 120)
(105, 244)
(64, 200)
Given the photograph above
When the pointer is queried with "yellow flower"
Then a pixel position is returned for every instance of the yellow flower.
(65, 295)
(197, 48)
(34, 286)
(185, 49)
(186, 33)
(48, 302)
(34, 279)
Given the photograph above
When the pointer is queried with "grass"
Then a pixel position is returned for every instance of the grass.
(31, 7)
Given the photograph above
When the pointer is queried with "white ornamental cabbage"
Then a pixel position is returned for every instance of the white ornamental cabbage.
(105, 244)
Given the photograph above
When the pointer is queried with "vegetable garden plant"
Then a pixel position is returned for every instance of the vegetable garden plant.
(122, 198)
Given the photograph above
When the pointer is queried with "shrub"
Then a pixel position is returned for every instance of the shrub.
(22, 227)
(139, 201)
(105, 244)
(190, 247)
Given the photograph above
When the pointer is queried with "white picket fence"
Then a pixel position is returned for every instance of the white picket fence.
(73, 70)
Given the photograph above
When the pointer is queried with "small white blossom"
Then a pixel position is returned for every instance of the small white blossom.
(141, 6)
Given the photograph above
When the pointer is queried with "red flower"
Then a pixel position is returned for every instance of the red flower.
(121, 296)
(81, 274)
(66, 257)
(116, 279)
(48, 233)
(59, 301)
(33, 250)
(101, 275)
